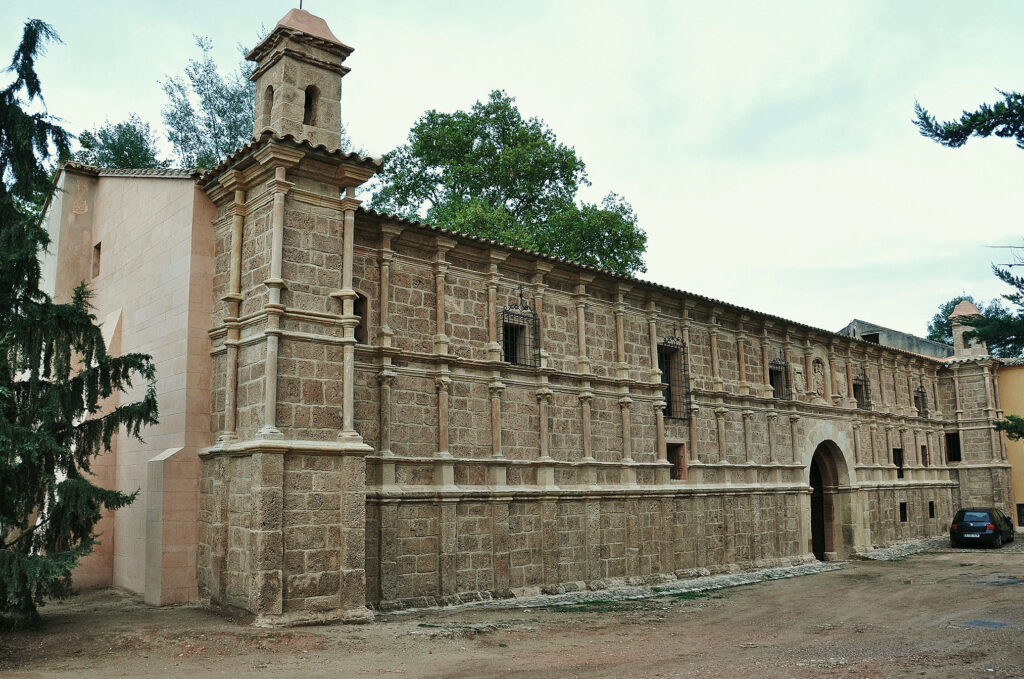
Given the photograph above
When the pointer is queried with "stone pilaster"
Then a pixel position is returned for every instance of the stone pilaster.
(444, 468)
(747, 444)
(386, 377)
(497, 473)
(443, 245)
(495, 258)
(274, 309)
(720, 424)
(349, 321)
(580, 298)
(387, 255)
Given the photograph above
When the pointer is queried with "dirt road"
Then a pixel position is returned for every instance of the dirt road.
(942, 613)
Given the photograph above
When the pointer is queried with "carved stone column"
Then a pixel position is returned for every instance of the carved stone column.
(720, 425)
(498, 473)
(349, 321)
(440, 271)
(387, 234)
(773, 419)
(741, 361)
(444, 468)
(495, 258)
(628, 472)
(856, 442)
(274, 309)
(580, 297)
(386, 377)
(747, 453)
(234, 301)
(793, 419)
(850, 400)
(874, 444)
(694, 410)
(659, 418)
(621, 367)
(540, 270)
(808, 373)
(833, 383)
(766, 382)
(716, 376)
(589, 471)
(652, 334)
(546, 472)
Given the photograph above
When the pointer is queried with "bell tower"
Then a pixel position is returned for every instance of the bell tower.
(298, 80)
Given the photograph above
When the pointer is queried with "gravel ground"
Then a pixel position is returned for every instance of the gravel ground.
(939, 612)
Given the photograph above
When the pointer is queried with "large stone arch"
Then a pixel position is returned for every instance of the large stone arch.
(830, 514)
(829, 445)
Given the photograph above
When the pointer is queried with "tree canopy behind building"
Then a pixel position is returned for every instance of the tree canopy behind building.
(130, 143)
(489, 172)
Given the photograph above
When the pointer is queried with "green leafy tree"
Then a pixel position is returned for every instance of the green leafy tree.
(491, 173)
(940, 328)
(54, 373)
(208, 115)
(1003, 119)
(1001, 329)
(130, 144)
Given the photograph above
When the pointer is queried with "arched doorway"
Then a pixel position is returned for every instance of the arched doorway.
(826, 476)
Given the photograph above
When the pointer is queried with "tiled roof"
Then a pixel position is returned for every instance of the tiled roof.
(160, 172)
(267, 137)
(634, 281)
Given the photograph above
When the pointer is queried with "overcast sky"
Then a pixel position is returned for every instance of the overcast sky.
(767, 148)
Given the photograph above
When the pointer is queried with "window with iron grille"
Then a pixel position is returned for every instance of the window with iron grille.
(862, 391)
(672, 363)
(897, 459)
(520, 334)
(924, 456)
(778, 377)
(921, 401)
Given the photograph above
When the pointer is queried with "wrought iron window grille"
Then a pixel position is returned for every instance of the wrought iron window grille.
(520, 333)
(778, 378)
(862, 391)
(921, 401)
(672, 363)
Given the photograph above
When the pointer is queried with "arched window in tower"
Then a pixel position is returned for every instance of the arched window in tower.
(268, 107)
(309, 109)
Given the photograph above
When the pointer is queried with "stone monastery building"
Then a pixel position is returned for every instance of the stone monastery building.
(359, 411)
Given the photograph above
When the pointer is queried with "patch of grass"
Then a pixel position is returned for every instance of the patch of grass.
(592, 606)
(689, 596)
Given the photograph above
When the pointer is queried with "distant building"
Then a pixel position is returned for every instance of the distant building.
(887, 337)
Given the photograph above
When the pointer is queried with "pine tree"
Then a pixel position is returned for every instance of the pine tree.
(54, 372)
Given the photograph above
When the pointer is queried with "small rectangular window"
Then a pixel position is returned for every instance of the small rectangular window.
(870, 337)
(677, 456)
(1020, 515)
(520, 334)
(670, 362)
(953, 446)
(924, 456)
(921, 401)
(931, 509)
(862, 391)
(97, 250)
(903, 512)
(897, 459)
(777, 371)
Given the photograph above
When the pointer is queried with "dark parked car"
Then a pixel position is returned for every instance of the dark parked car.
(983, 525)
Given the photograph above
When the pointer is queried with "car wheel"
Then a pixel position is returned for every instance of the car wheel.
(999, 541)
(953, 543)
